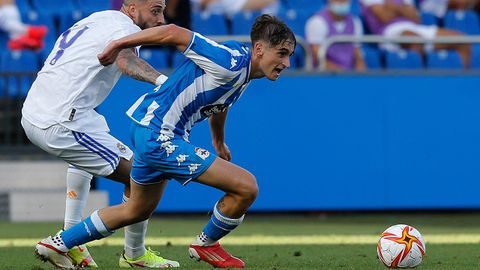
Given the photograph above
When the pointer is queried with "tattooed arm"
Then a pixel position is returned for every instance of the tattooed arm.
(134, 67)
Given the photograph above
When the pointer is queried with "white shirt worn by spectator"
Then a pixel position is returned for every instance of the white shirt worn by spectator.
(72, 82)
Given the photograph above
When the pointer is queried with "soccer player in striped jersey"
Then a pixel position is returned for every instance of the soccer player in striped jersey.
(59, 114)
(212, 78)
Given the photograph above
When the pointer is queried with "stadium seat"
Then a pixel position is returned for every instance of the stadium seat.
(465, 21)
(444, 59)
(90, 6)
(54, 7)
(475, 57)
(428, 18)
(3, 40)
(296, 19)
(372, 57)
(156, 57)
(297, 60)
(35, 18)
(18, 61)
(209, 24)
(242, 22)
(403, 59)
(67, 20)
(303, 5)
(23, 5)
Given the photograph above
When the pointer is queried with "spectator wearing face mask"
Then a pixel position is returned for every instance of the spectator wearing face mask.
(335, 19)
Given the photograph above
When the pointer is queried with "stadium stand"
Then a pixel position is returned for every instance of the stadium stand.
(91, 6)
(463, 20)
(403, 59)
(156, 57)
(372, 57)
(444, 59)
(242, 22)
(18, 61)
(209, 24)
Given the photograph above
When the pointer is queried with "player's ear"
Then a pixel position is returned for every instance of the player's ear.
(132, 9)
(258, 48)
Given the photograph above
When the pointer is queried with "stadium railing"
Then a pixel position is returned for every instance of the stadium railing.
(378, 39)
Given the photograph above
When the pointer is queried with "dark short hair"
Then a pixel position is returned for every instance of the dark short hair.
(272, 30)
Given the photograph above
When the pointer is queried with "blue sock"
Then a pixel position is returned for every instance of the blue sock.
(89, 229)
(218, 227)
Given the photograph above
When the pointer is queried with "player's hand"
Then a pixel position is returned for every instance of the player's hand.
(223, 151)
(109, 54)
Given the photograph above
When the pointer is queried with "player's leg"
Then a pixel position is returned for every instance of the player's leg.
(240, 189)
(103, 223)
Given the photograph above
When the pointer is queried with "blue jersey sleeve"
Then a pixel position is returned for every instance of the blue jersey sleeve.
(220, 60)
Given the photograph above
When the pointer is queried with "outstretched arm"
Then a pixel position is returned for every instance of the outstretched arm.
(217, 128)
(161, 35)
(136, 68)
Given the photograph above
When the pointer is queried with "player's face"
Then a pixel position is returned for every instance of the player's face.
(150, 14)
(275, 59)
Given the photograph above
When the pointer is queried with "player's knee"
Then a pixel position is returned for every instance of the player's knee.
(249, 189)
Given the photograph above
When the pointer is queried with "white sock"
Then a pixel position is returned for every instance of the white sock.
(135, 237)
(78, 186)
(203, 240)
(11, 22)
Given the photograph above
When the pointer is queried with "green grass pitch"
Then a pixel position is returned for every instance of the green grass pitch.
(340, 241)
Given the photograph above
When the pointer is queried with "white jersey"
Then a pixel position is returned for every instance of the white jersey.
(72, 82)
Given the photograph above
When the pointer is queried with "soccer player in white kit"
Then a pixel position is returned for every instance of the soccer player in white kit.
(59, 116)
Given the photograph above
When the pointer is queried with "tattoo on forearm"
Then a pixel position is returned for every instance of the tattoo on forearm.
(136, 68)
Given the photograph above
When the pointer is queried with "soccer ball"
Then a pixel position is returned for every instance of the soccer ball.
(401, 246)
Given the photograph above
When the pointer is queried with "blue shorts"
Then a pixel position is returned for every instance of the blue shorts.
(156, 160)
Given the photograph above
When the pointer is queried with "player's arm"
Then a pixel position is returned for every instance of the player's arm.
(134, 67)
(217, 128)
(161, 35)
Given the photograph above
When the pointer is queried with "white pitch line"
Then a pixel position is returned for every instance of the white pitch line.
(267, 240)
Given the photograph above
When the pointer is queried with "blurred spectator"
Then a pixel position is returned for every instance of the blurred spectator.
(335, 19)
(232, 7)
(439, 7)
(393, 18)
(178, 12)
(22, 36)
(117, 4)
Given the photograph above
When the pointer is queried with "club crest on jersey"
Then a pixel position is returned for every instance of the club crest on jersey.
(208, 111)
(121, 147)
(193, 167)
(202, 153)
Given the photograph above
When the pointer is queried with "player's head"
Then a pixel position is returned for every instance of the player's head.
(272, 45)
(145, 13)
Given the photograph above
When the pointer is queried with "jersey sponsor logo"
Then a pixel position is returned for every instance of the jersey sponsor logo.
(202, 153)
(181, 159)
(122, 148)
(169, 147)
(193, 167)
(210, 110)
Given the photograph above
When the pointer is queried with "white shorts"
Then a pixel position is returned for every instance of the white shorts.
(427, 32)
(97, 153)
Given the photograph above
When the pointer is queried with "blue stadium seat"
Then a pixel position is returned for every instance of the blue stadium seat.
(18, 61)
(372, 57)
(444, 59)
(157, 58)
(23, 5)
(297, 60)
(465, 21)
(403, 59)
(428, 18)
(54, 7)
(475, 57)
(296, 19)
(3, 41)
(90, 6)
(67, 20)
(209, 24)
(304, 5)
(242, 22)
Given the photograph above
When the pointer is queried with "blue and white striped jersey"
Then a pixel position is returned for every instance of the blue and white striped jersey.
(212, 78)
